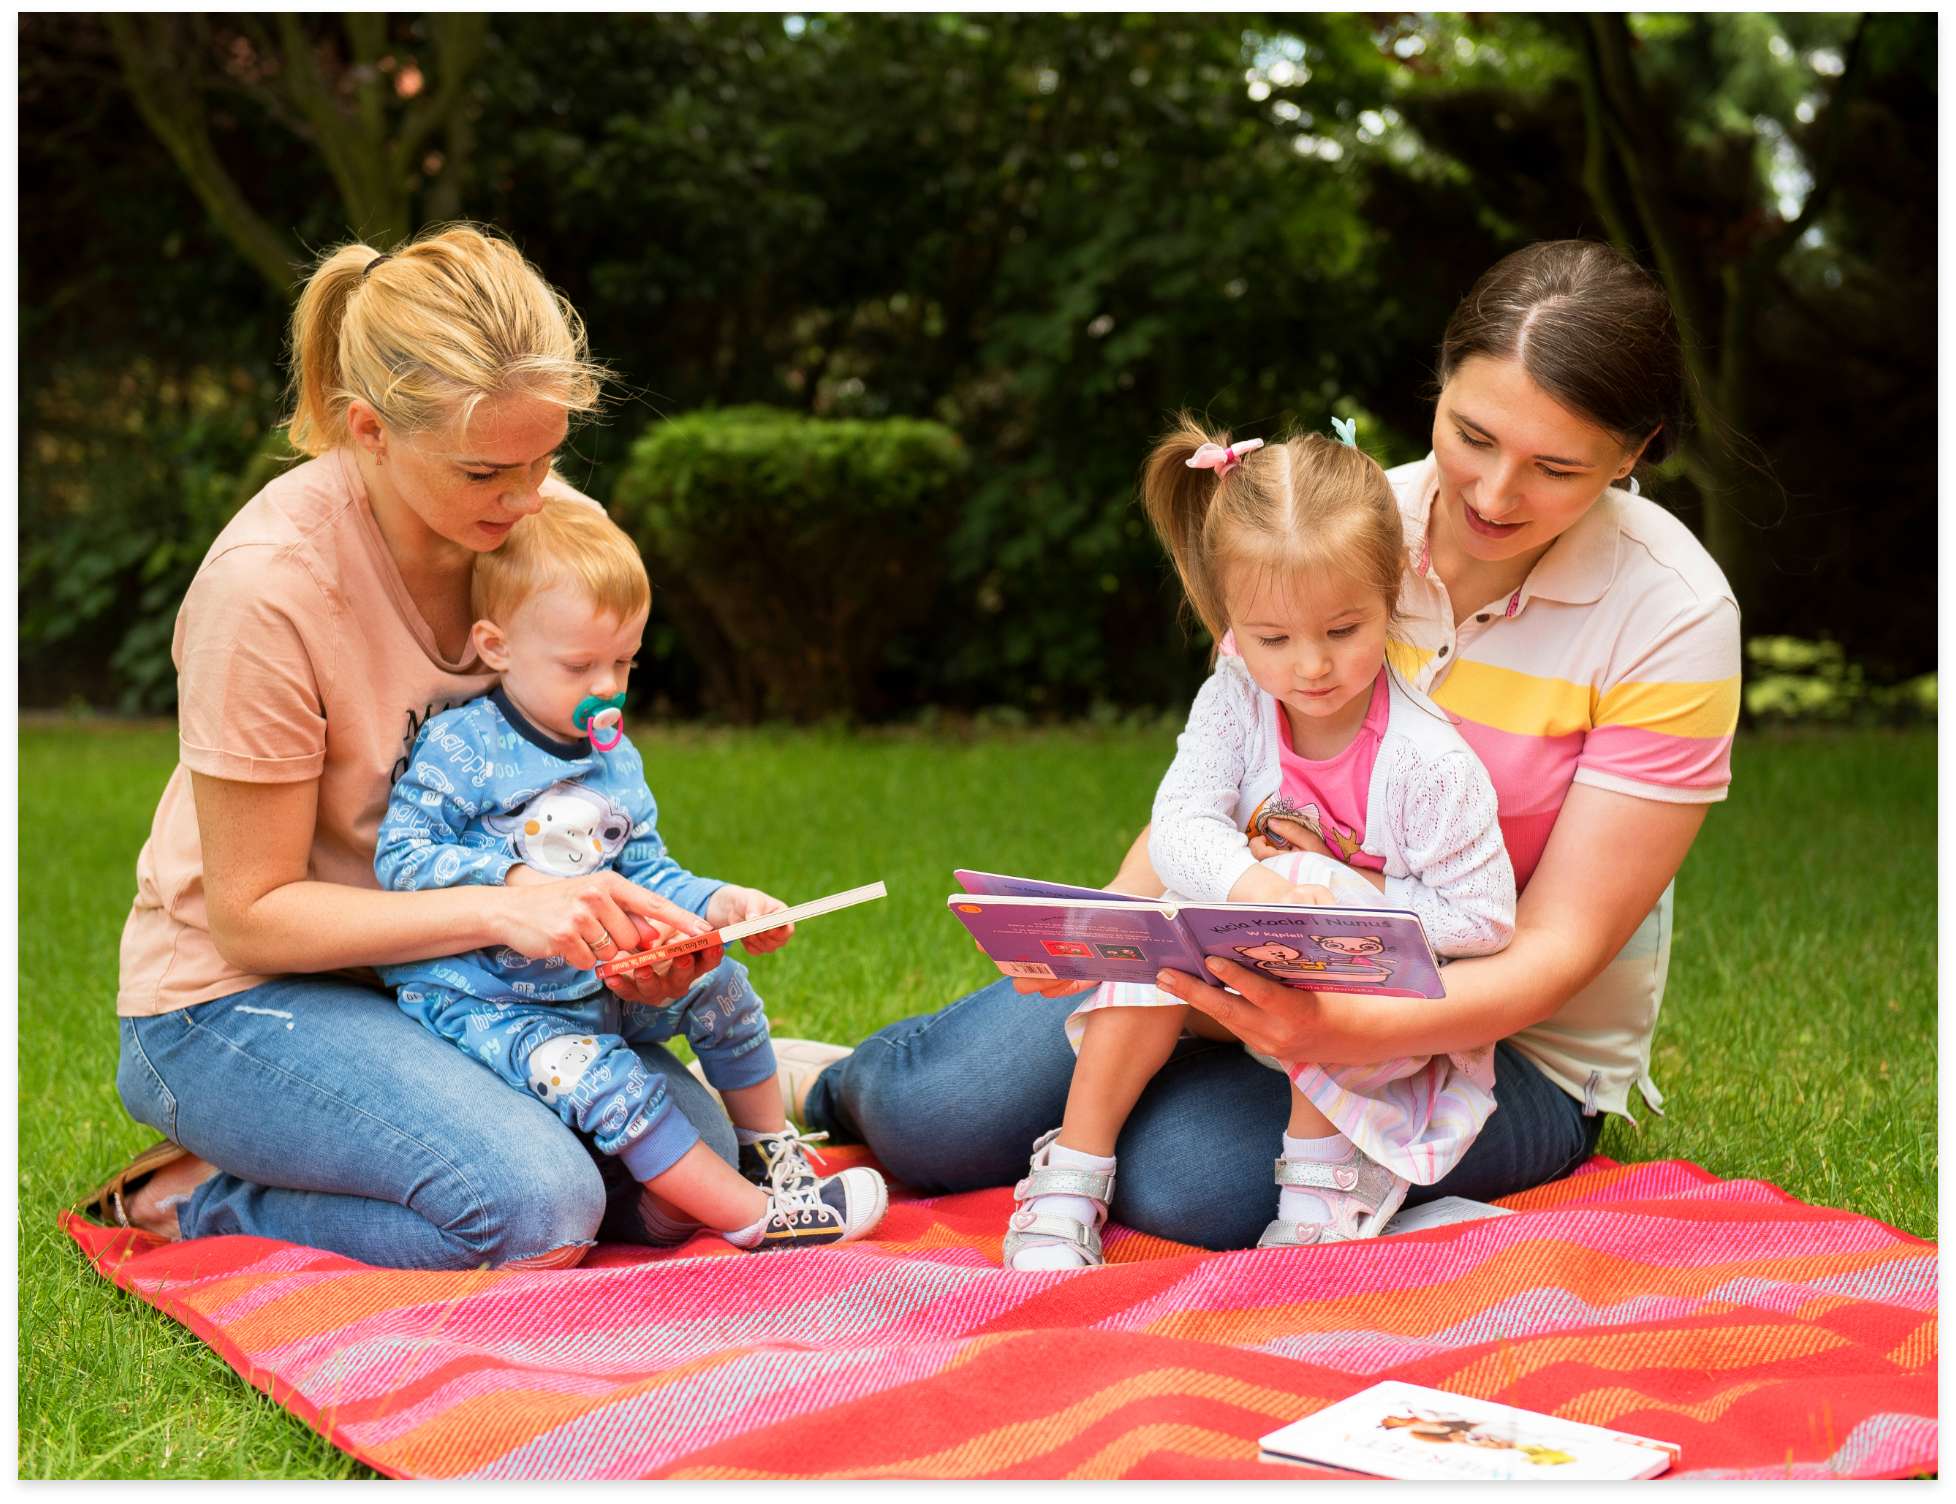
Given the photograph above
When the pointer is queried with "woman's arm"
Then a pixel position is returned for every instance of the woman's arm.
(1608, 861)
(267, 916)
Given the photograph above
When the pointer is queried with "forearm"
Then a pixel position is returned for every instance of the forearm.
(317, 926)
(1488, 998)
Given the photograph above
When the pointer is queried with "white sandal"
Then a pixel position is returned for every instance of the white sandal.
(1034, 1230)
(1366, 1194)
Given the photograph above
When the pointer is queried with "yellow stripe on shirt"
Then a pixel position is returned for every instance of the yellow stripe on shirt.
(1706, 709)
(1511, 701)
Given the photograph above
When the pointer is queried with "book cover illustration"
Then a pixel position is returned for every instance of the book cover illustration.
(1398, 1430)
(1057, 932)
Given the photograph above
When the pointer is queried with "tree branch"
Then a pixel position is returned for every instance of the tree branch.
(1826, 172)
(174, 116)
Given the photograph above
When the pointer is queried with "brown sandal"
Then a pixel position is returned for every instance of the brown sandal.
(106, 1205)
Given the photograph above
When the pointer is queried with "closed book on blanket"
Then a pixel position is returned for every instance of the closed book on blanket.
(1057, 932)
(1399, 1430)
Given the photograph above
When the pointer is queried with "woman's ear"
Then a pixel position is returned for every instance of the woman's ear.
(365, 427)
(1636, 455)
(490, 645)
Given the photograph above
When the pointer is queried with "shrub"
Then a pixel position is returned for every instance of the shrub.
(792, 549)
(126, 477)
(1793, 679)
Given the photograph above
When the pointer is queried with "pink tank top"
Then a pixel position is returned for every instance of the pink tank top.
(1330, 797)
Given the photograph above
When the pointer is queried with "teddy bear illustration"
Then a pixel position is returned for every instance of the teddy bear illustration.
(566, 831)
(558, 1064)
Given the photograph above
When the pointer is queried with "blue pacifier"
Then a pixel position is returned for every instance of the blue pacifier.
(594, 715)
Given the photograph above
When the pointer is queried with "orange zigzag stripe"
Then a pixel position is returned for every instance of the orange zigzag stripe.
(1019, 1442)
(1125, 1452)
(478, 1430)
(1918, 1349)
(1598, 1278)
(1603, 1407)
(1699, 1348)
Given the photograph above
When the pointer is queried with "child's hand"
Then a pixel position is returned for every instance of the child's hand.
(731, 905)
(1311, 893)
(1295, 832)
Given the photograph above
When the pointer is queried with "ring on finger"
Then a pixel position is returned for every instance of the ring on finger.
(603, 942)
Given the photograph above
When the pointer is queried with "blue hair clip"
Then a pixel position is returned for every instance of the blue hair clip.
(1347, 430)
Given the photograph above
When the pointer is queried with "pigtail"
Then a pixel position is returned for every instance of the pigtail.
(1178, 500)
(316, 423)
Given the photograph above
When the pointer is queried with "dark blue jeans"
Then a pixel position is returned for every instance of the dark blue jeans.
(952, 1100)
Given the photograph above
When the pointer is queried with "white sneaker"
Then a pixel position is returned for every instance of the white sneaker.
(797, 1063)
(811, 1213)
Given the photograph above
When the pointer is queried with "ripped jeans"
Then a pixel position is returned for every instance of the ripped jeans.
(580, 1058)
(337, 1121)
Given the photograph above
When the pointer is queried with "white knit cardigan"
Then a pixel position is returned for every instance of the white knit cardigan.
(1430, 814)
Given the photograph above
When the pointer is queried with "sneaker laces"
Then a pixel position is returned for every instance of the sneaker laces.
(786, 1164)
(801, 1201)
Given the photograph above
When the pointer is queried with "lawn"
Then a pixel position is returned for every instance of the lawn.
(1797, 1046)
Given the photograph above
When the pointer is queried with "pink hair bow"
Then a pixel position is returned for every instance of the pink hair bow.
(1222, 458)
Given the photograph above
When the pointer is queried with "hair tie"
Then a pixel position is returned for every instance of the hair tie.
(1347, 430)
(367, 270)
(1222, 458)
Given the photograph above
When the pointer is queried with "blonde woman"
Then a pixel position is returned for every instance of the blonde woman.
(434, 387)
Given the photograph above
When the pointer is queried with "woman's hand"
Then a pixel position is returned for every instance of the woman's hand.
(667, 982)
(731, 905)
(1286, 1023)
(587, 920)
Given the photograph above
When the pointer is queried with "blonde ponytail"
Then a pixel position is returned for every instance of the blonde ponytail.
(426, 332)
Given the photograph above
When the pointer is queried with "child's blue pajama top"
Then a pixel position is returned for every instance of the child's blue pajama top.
(485, 790)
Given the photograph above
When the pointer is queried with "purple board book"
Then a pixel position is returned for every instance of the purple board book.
(1057, 932)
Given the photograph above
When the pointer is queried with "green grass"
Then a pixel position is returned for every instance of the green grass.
(1797, 1043)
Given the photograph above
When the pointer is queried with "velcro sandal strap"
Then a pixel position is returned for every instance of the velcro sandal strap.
(1030, 1230)
(1095, 1185)
(1282, 1234)
(1362, 1179)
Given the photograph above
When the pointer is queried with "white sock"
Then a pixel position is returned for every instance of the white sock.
(1077, 1208)
(1294, 1203)
(750, 1235)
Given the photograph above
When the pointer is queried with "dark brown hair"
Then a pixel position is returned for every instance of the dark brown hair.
(1591, 328)
(1304, 502)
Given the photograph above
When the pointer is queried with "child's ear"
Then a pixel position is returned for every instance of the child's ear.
(490, 644)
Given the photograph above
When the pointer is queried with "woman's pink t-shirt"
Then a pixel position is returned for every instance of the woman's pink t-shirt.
(300, 657)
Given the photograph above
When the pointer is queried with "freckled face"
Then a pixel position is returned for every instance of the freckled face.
(1517, 469)
(470, 485)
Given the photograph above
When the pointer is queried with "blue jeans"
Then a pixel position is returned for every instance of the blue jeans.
(337, 1121)
(952, 1100)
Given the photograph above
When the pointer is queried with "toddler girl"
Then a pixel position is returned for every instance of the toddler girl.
(537, 782)
(1291, 556)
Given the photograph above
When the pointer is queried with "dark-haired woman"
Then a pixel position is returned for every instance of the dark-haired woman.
(1589, 648)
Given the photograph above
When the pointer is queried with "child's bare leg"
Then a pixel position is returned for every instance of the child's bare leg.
(703, 1186)
(1305, 1120)
(756, 1108)
(1120, 1052)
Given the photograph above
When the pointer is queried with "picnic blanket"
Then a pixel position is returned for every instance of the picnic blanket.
(1767, 1337)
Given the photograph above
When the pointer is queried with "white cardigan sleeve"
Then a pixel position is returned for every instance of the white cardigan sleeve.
(1195, 844)
(1459, 879)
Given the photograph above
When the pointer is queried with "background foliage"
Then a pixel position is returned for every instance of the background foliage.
(1043, 232)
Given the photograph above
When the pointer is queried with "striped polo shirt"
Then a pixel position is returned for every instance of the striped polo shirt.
(1615, 664)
